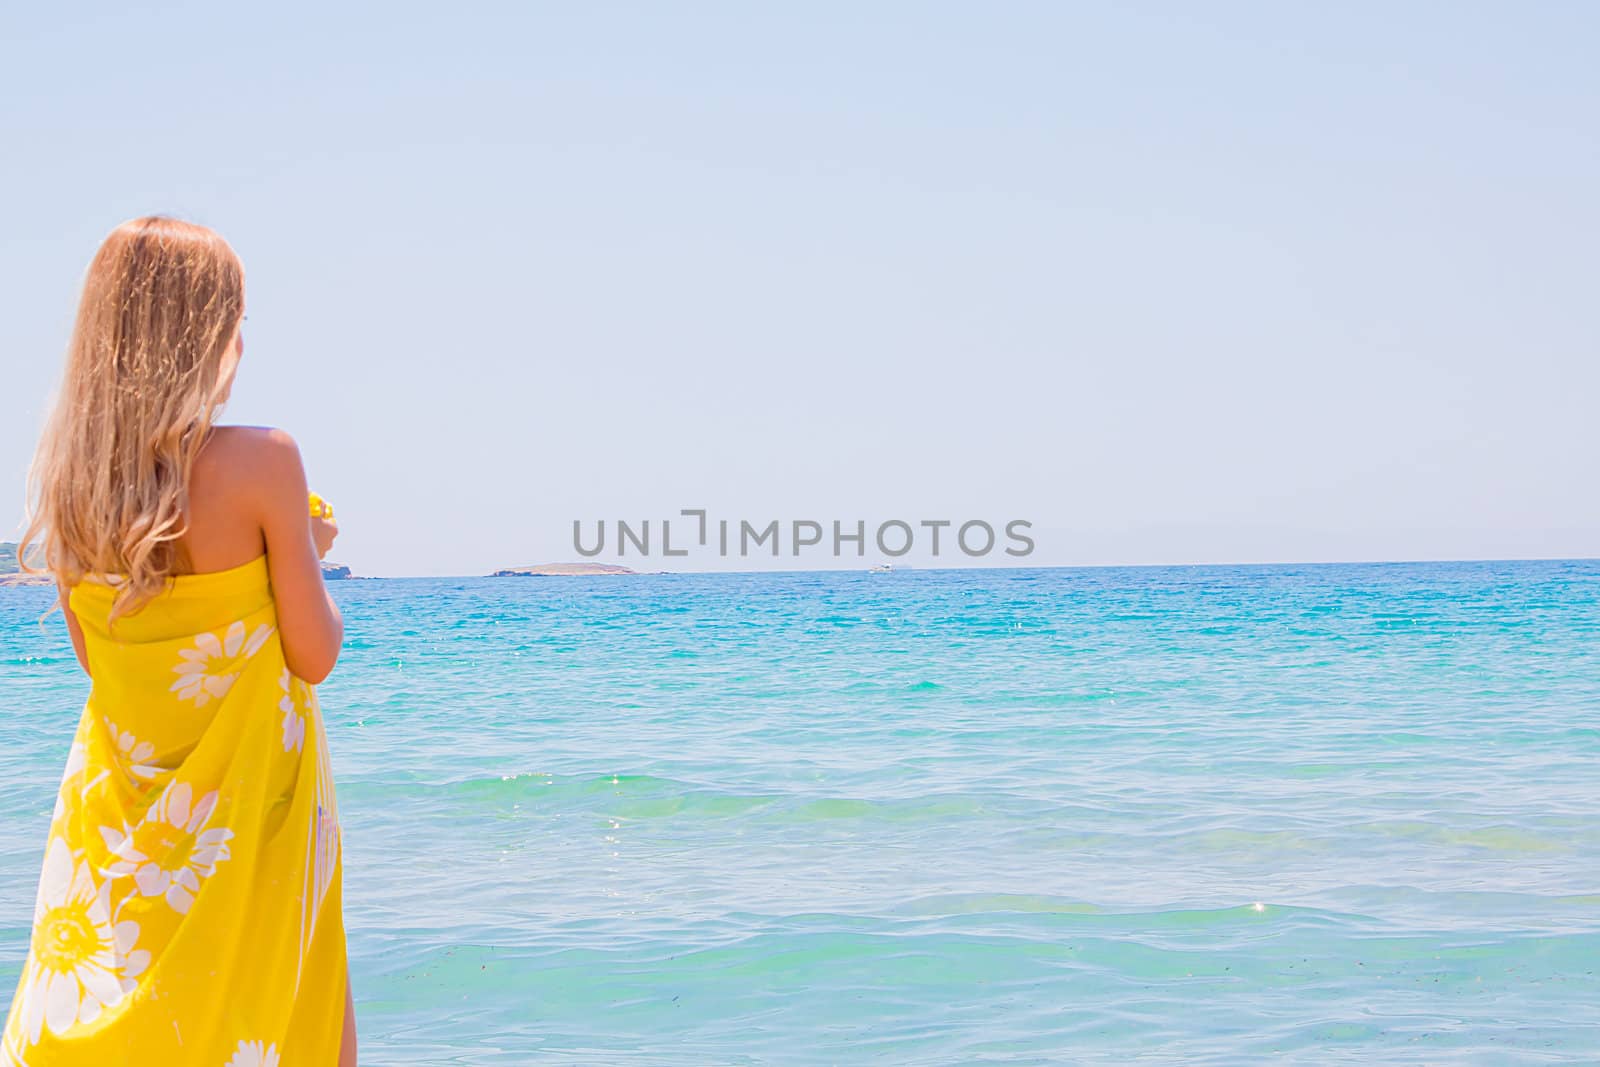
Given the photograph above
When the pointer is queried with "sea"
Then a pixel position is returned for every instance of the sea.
(1196, 815)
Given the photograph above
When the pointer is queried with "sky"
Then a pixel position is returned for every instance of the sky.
(1172, 283)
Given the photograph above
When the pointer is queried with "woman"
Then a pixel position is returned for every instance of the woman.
(189, 908)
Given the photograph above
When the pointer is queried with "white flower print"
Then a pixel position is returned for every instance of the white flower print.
(254, 1054)
(133, 752)
(171, 849)
(199, 678)
(82, 962)
(294, 723)
(77, 760)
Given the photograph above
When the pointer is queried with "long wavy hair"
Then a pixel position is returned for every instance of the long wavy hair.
(109, 484)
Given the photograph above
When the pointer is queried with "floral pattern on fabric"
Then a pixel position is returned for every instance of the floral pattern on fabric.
(203, 671)
(134, 752)
(81, 961)
(254, 1054)
(297, 700)
(171, 849)
(190, 891)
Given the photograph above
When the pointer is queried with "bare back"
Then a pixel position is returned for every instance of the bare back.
(224, 528)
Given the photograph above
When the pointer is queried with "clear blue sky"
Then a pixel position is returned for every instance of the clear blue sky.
(1178, 283)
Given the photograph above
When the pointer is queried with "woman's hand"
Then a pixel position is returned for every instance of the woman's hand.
(323, 531)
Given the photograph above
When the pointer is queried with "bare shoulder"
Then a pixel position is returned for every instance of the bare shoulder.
(251, 470)
(251, 456)
(245, 479)
(254, 442)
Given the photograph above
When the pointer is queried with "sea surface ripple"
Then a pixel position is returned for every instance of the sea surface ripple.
(1221, 815)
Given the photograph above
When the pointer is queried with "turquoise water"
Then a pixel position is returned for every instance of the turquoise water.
(1329, 814)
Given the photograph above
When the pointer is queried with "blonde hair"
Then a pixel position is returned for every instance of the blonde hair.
(108, 488)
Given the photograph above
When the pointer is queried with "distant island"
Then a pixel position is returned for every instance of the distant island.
(9, 572)
(562, 569)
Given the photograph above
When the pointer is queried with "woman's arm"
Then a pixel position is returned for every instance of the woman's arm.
(309, 623)
(73, 628)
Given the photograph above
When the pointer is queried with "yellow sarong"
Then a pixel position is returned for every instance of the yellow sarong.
(189, 909)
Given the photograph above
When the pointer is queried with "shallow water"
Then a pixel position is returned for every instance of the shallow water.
(1192, 815)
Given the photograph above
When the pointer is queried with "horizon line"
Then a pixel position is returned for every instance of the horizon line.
(1033, 567)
